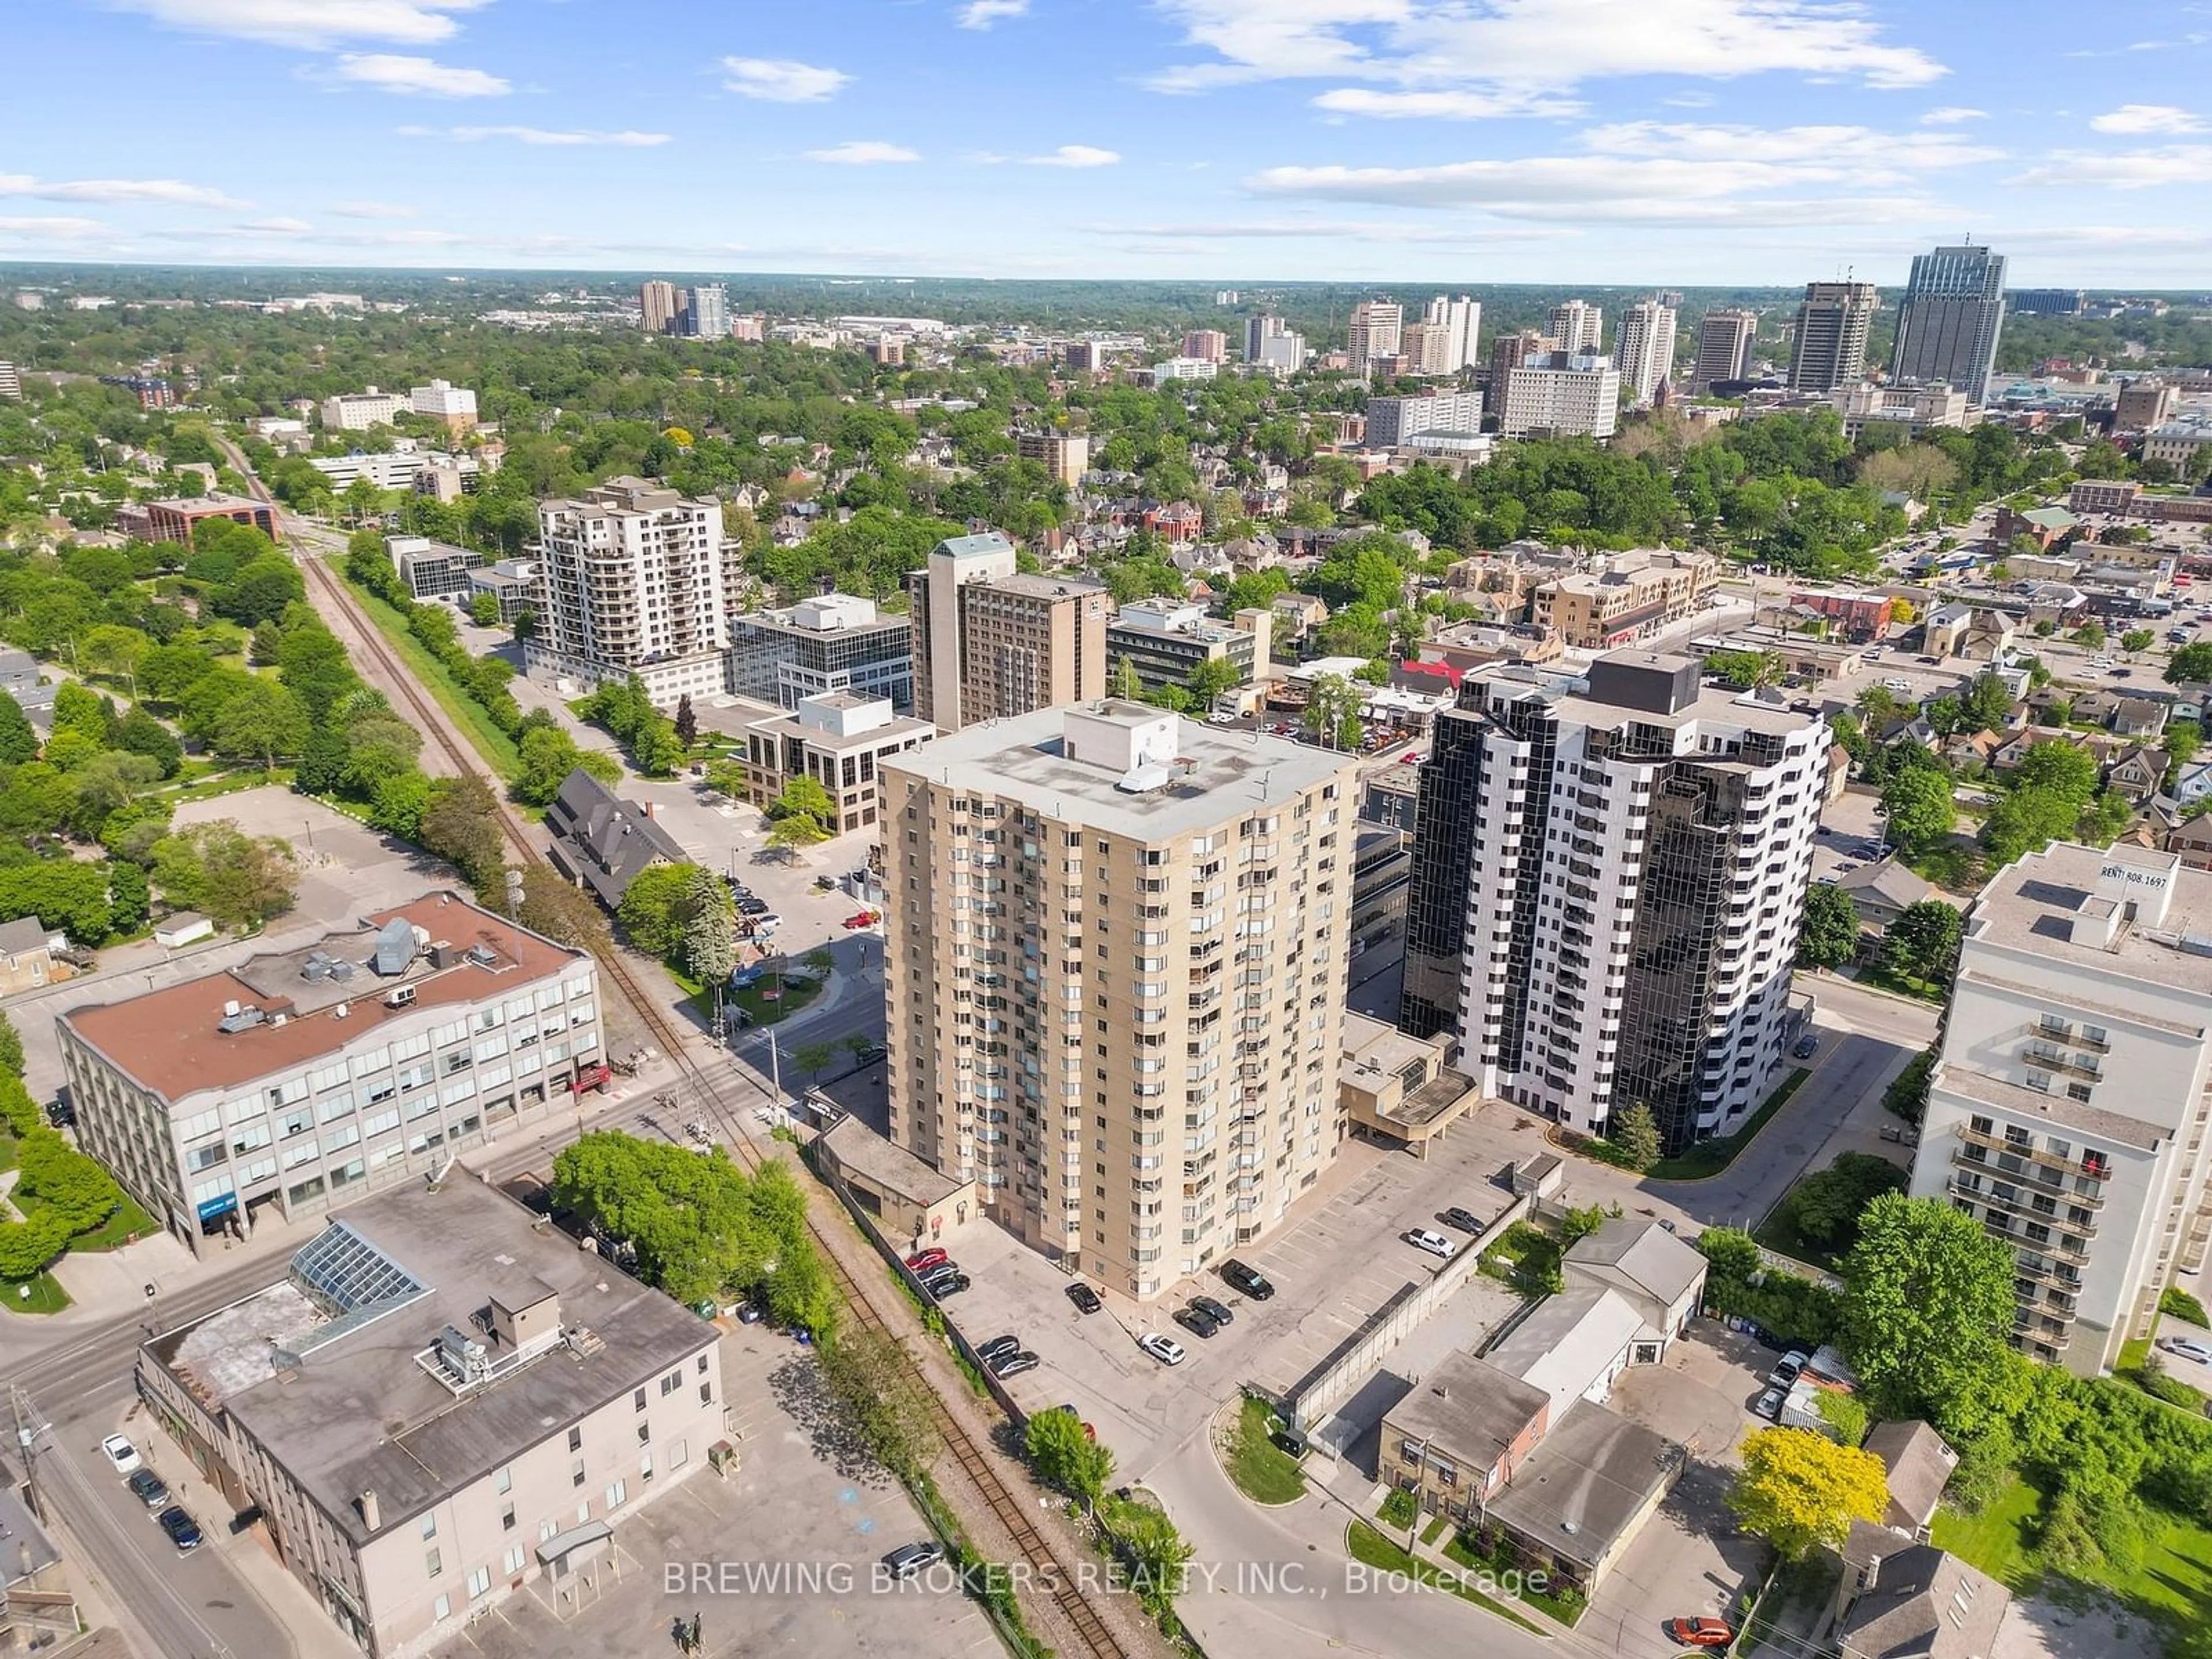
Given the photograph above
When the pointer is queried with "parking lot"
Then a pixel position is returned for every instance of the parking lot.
(780, 1556)
(1850, 834)
(1339, 1259)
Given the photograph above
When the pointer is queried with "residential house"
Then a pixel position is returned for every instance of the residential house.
(2138, 717)
(2137, 772)
(2193, 782)
(1974, 632)
(1920, 1465)
(1662, 1278)
(2191, 842)
(1460, 1434)
(1970, 751)
(26, 954)
(2095, 707)
(1839, 774)
(1899, 1601)
(601, 840)
(1883, 891)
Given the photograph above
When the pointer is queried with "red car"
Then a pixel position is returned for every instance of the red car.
(922, 1260)
(865, 919)
(1700, 1632)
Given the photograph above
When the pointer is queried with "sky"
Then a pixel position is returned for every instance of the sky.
(1624, 141)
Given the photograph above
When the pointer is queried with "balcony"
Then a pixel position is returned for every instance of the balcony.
(2020, 1205)
(2038, 1052)
(2093, 1167)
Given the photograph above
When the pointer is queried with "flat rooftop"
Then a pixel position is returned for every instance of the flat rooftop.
(1047, 587)
(2062, 1112)
(864, 1152)
(167, 1041)
(1587, 1481)
(1229, 774)
(2034, 904)
(1468, 1408)
(357, 1411)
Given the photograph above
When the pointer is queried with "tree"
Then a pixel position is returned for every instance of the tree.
(651, 911)
(1919, 808)
(1829, 936)
(1826, 1205)
(2090, 636)
(313, 665)
(19, 738)
(140, 733)
(11, 1048)
(884, 1399)
(483, 610)
(1923, 943)
(1210, 679)
(460, 824)
(2137, 640)
(686, 722)
(2190, 663)
(79, 708)
(1799, 1490)
(1636, 1136)
(1744, 670)
(710, 927)
(727, 778)
(1988, 704)
(806, 808)
(238, 879)
(814, 1058)
(548, 756)
(1123, 681)
(262, 720)
(1332, 713)
(1066, 1458)
(656, 748)
(1928, 1306)
(564, 914)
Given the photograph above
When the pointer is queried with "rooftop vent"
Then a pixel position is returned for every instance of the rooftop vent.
(236, 1019)
(343, 971)
(395, 946)
(483, 956)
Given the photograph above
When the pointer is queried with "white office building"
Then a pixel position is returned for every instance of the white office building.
(1392, 421)
(1609, 874)
(357, 411)
(1555, 394)
(1184, 368)
(442, 400)
(2067, 1109)
(1644, 350)
(632, 580)
(1272, 346)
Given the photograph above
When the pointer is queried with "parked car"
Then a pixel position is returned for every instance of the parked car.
(1422, 1238)
(1249, 1280)
(998, 1347)
(922, 1260)
(766, 922)
(942, 1270)
(1213, 1310)
(1784, 1374)
(1465, 1220)
(184, 1531)
(1015, 1364)
(121, 1453)
(1196, 1323)
(748, 1314)
(948, 1285)
(1769, 1404)
(1700, 1632)
(60, 1115)
(1165, 1349)
(2188, 1348)
(1085, 1298)
(869, 1053)
(907, 1559)
(1808, 1046)
(863, 919)
(751, 904)
(148, 1488)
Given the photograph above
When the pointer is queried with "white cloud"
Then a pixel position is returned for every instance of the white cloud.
(1350, 229)
(2137, 169)
(1950, 115)
(275, 227)
(394, 72)
(312, 23)
(57, 229)
(2148, 117)
(537, 136)
(864, 152)
(1861, 153)
(1461, 105)
(1433, 44)
(982, 13)
(173, 191)
(782, 80)
(1075, 156)
(374, 210)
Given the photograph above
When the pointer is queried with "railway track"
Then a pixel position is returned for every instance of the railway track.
(1045, 1568)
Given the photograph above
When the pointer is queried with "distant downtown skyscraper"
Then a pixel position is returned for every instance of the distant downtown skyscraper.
(1724, 340)
(1461, 319)
(1948, 325)
(1644, 349)
(1832, 335)
(706, 314)
(1376, 325)
(1578, 326)
(658, 301)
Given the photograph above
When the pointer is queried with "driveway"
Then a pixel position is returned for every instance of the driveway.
(1688, 1560)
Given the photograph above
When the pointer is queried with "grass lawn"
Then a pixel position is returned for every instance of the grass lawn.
(1568, 1609)
(1882, 979)
(1525, 1256)
(2174, 1580)
(495, 746)
(1263, 1471)
(1779, 1233)
(1373, 1549)
(796, 992)
(1434, 1530)
(1708, 1158)
(129, 1222)
(46, 1295)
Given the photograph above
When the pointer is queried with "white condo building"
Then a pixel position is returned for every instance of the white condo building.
(1609, 874)
(632, 582)
(1644, 350)
(1461, 319)
(357, 411)
(1271, 345)
(1563, 396)
(442, 400)
(2068, 1111)
(1392, 421)
(1578, 326)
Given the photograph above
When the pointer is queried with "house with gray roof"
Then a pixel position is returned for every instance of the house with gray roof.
(1660, 1276)
(1920, 1465)
(1883, 891)
(602, 842)
(1900, 1601)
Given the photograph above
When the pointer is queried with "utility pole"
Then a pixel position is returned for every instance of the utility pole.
(27, 1430)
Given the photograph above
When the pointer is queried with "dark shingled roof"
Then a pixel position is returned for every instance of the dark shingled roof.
(603, 841)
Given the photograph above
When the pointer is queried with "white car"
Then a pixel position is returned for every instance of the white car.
(1165, 1349)
(122, 1454)
(1903, 688)
(1421, 1238)
(2188, 1348)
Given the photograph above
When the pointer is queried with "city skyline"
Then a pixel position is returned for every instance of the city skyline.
(1529, 141)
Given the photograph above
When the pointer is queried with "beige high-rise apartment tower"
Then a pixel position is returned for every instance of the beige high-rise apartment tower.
(657, 306)
(1376, 327)
(990, 641)
(1114, 978)
(1578, 326)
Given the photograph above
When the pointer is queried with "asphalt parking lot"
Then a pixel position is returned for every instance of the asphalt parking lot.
(1339, 1259)
(780, 1558)
(1850, 835)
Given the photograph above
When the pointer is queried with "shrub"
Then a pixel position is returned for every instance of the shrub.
(1399, 1509)
(2177, 1303)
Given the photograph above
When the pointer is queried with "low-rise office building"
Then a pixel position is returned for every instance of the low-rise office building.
(440, 1402)
(432, 570)
(837, 739)
(836, 643)
(357, 411)
(1164, 640)
(1628, 597)
(303, 1078)
(175, 521)
(511, 582)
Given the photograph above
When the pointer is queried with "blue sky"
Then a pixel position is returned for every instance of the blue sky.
(1594, 140)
